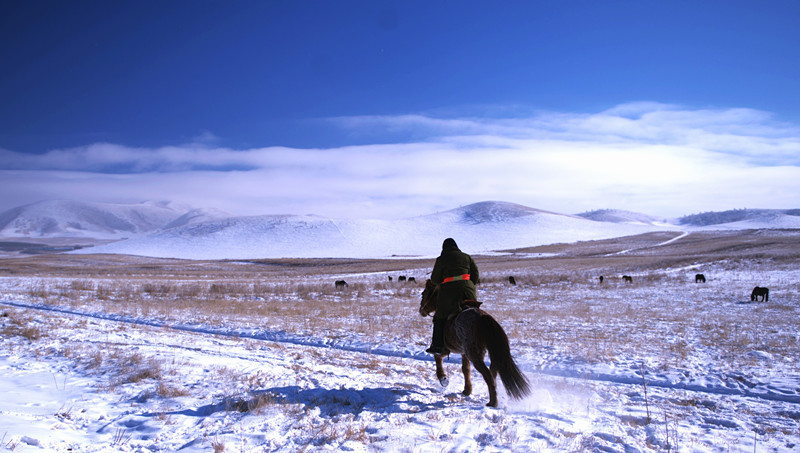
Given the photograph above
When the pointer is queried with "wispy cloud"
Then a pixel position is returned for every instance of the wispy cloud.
(654, 158)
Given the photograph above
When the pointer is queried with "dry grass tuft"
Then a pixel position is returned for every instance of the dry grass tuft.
(167, 390)
(13, 325)
(218, 446)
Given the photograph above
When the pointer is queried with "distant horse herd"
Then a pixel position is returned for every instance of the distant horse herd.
(759, 294)
(341, 284)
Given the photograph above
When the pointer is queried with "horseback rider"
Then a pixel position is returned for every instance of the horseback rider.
(456, 274)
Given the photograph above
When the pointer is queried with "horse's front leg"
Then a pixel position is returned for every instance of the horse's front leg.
(440, 371)
(465, 368)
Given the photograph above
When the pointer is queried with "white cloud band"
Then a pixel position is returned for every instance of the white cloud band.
(653, 158)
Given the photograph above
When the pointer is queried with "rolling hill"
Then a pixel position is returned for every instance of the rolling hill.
(170, 231)
(480, 227)
(60, 218)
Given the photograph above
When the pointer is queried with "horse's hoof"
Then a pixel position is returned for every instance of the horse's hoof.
(491, 404)
(444, 381)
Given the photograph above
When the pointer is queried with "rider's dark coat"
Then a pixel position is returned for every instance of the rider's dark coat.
(452, 263)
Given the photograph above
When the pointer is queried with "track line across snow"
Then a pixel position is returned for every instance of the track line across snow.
(350, 346)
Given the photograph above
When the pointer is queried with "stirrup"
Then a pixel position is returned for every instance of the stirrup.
(438, 351)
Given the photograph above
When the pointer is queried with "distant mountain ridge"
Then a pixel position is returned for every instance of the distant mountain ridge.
(56, 218)
(67, 218)
(163, 229)
(482, 227)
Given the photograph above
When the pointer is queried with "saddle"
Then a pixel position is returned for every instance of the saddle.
(469, 303)
(466, 304)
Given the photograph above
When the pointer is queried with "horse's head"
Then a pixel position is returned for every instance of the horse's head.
(429, 295)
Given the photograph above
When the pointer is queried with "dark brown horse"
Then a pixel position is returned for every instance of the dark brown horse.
(758, 291)
(471, 334)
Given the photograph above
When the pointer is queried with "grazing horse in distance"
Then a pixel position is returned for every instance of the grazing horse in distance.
(401, 278)
(512, 280)
(627, 278)
(390, 278)
(340, 284)
(600, 278)
(471, 333)
(699, 278)
(759, 292)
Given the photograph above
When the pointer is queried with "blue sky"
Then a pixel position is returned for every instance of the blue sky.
(391, 109)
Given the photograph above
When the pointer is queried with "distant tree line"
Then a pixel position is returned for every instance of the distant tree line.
(734, 215)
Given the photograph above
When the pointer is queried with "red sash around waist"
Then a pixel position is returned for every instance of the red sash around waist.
(456, 278)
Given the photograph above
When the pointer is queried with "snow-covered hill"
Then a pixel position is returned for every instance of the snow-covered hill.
(744, 219)
(197, 216)
(60, 218)
(480, 227)
(620, 216)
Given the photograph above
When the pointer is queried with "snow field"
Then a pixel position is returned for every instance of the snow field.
(225, 356)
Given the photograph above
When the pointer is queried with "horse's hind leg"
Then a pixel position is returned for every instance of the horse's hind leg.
(467, 378)
(488, 376)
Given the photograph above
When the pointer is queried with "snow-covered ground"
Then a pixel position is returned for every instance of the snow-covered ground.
(662, 364)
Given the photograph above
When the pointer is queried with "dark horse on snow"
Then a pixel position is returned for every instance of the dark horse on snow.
(759, 292)
(471, 333)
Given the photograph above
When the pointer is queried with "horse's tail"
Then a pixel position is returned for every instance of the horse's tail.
(496, 341)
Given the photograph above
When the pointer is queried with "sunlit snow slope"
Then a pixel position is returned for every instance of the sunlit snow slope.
(480, 227)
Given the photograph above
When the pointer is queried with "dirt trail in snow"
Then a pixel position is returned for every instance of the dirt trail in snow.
(670, 241)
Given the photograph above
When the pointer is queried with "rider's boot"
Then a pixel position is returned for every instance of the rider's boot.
(437, 343)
